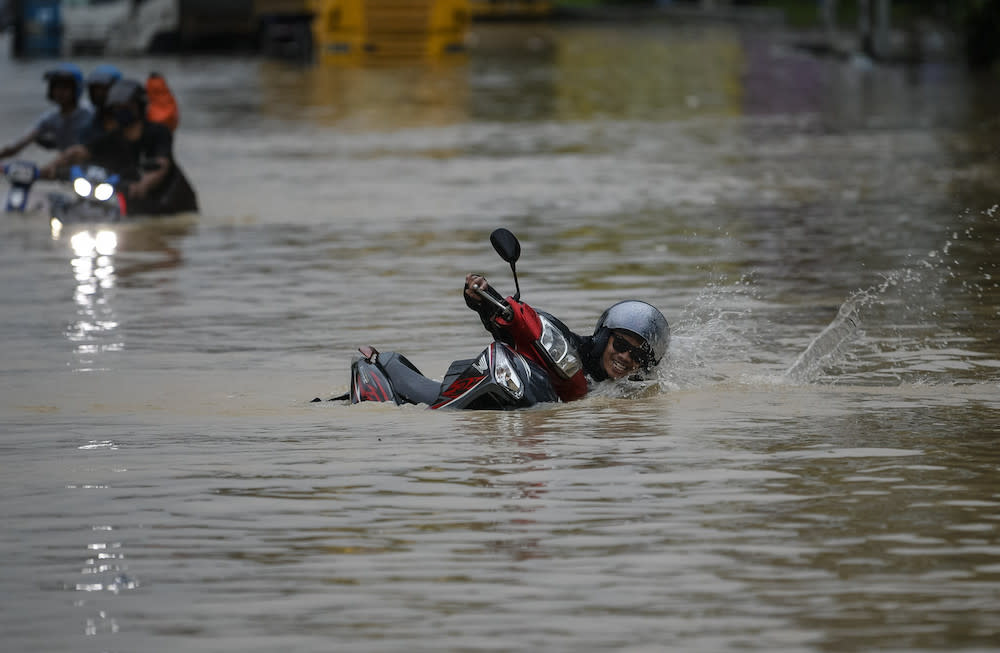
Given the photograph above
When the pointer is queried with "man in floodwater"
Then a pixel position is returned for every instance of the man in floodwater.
(630, 338)
(137, 149)
(63, 126)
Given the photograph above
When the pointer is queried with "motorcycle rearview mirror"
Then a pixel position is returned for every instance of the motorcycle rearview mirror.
(508, 247)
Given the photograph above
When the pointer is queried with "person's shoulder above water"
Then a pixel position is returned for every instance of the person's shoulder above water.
(56, 130)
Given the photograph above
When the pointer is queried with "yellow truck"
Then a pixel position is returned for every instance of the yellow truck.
(365, 31)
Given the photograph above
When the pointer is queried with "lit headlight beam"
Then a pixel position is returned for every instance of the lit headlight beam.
(82, 187)
(104, 191)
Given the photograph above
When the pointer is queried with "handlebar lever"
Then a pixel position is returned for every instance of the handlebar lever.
(502, 306)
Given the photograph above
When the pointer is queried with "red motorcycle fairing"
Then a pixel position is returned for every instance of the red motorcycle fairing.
(526, 328)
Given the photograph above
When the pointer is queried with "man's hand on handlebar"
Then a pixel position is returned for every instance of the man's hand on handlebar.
(474, 282)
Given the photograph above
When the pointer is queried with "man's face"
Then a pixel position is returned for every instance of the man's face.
(98, 94)
(63, 92)
(618, 364)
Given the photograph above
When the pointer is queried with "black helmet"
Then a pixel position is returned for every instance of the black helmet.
(67, 72)
(127, 90)
(640, 319)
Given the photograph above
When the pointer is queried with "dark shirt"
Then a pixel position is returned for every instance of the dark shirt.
(111, 150)
(94, 129)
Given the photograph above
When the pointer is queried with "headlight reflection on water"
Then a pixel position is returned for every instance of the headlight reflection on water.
(95, 330)
(103, 243)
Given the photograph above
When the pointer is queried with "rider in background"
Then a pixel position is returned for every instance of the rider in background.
(62, 127)
(137, 149)
(630, 338)
(161, 105)
(99, 82)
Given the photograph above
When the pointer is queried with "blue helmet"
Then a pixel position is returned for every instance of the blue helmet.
(104, 74)
(65, 72)
(642, 320)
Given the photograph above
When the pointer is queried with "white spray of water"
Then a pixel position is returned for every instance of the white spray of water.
(908, 291)
(828, 345)
(892, 330)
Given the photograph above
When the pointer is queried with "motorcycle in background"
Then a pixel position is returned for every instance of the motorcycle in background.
(22, 176)
(97, 197)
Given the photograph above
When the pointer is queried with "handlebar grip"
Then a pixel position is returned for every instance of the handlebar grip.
(501, 305)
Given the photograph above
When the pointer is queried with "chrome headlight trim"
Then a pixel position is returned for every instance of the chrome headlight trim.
(557, 349)
(506, 375)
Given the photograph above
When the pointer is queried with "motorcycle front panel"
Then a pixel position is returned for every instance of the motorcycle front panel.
(76, 211)
(477, 386)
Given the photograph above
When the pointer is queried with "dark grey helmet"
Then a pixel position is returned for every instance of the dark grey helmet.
(127, 90)
(639, 318)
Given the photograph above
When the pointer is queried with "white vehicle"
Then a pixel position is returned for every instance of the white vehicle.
(117, 26)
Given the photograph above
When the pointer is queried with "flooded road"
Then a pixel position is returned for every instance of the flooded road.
(817, 470)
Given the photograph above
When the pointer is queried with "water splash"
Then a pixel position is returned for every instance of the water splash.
(828, 345)
(906, 328)
(907, 312)
(905, 300)
(716, 331)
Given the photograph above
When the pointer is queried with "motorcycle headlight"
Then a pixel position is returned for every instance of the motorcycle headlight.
(556, 348)
(506, 375)
(82, 187)
(104, 191)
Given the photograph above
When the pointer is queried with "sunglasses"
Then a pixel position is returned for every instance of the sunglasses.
(639, 354)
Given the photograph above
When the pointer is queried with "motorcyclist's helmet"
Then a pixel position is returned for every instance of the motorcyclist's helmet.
(640, 319)
(65, 72)
(125, 91)
(99, 82)
(104, 74)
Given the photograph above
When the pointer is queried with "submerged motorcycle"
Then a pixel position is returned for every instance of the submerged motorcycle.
(537, 364)
(97, 197)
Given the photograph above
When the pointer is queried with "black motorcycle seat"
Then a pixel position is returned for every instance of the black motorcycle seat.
(407, 380)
